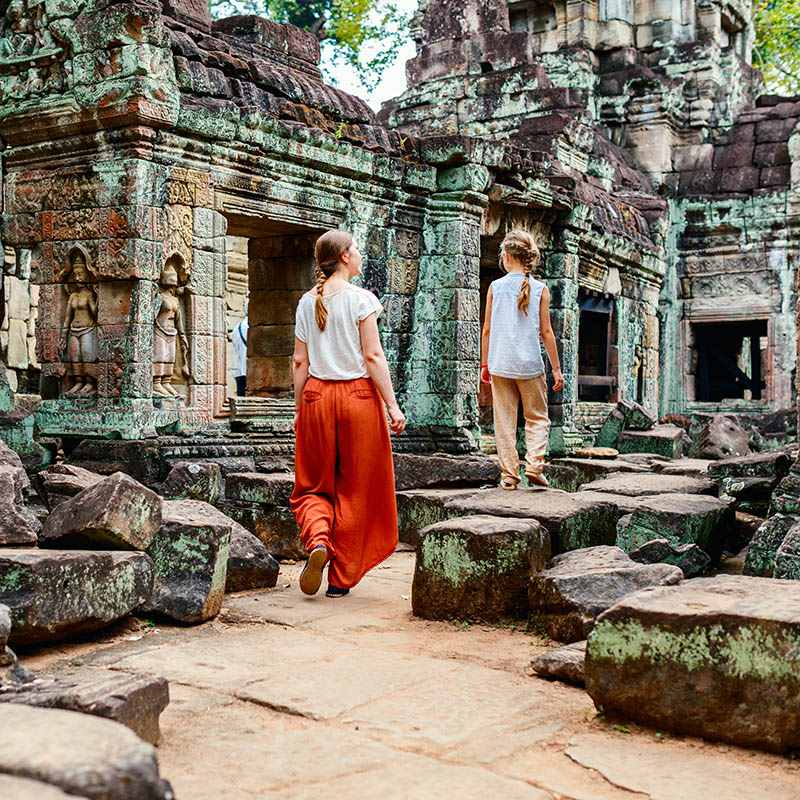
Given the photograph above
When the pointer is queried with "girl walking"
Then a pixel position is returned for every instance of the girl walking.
(517, 319)
(343, 496)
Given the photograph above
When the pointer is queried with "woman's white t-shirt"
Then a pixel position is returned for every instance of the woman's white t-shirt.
(335, 354)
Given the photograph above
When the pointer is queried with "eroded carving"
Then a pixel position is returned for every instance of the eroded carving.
(78, 345)
(169, 329)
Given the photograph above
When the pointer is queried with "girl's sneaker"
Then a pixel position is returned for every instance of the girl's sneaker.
(537, 479)
(311, 576)
(509, 486)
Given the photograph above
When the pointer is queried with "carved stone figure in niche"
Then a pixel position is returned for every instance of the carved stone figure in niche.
(168, 328)
(78, 347)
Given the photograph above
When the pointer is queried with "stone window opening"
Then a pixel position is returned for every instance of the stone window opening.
(596, 382)
(730, 360)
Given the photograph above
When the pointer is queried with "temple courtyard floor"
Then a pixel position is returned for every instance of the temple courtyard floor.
(285, 696)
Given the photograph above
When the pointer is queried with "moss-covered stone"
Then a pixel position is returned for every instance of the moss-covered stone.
(766, 542)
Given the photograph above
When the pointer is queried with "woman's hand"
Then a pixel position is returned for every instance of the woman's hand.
(294, 421)
(485, 376)
(558, 380)
(397, 419)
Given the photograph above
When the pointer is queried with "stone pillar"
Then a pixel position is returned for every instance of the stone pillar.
(445, 323)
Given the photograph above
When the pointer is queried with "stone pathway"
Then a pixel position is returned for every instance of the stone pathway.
(284, 696)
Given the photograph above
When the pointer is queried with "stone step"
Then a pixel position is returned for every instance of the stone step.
(477, 567)
(711, 657)
(665, 440)
(440, 469)
(53, 594)
(650, 483)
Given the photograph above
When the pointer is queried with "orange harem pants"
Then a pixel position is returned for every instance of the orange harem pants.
(343, 494)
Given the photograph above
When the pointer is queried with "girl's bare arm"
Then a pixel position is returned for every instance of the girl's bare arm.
(549, 339)
(378, 370)
(487, 328)
(300, 375)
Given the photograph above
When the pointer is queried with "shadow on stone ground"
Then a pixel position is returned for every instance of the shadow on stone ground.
(293, 697)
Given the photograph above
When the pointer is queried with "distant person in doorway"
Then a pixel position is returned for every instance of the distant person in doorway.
(240, 354)
(517, 320)
(344, 497)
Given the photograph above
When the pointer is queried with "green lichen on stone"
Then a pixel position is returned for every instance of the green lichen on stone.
(769, 654)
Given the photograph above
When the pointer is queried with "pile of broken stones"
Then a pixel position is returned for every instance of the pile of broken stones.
(77, 553)
(665, 577)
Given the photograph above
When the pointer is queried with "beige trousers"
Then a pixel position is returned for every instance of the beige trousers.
(506, 393)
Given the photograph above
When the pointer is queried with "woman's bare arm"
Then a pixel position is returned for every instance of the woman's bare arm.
(300, 374)
(549, 339)
(487, 329)
(378, 370)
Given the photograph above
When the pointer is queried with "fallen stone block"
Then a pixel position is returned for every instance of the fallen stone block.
(135, 701)
(578, 586)
(649, 483)
(274, 526)
(17, 529)
(720, 437)
(5, 630)
(773, 465)
(477, 567)
(690, 467)
(190, 553)
(250, 566)
(752, 495)
(191, 480)
(561, 477)
(439, 469)
(596, 452)
(10, 458)
(84, 755)
(627, 414)
(764, 546)
(592, 469)
(52, 594)
(272, 489)
(418, 508)
(680, 519)
(665, 440)
(623, 504)
(562, 663)
(117, 512)
(712, 657)
(12, 788)
(652, 461)
(59, 482)
(787, 559)
(572, 520)
(689, 558)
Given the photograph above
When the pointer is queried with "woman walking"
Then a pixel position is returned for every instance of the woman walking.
(517, 319)
(343, 497)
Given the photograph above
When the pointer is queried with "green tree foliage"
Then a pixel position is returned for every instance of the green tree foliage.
(366, 34)
(776, 50)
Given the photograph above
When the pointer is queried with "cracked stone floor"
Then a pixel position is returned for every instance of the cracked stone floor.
(284, 696)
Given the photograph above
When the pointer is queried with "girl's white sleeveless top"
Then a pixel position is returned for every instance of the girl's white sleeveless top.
(515, 349)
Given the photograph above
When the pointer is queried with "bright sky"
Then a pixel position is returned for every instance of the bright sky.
(393, 82)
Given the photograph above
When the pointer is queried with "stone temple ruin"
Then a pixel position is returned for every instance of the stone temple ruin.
(162, 171)
(159, 166)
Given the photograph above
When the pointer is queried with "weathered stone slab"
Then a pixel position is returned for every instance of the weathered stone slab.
(712, 657)
(52, 594)
(681, 519)
(691, 467)
(274, 526)
(561, 477)
(16, 527)
(665, 440)
(596, 452)
(580, 585)
(562, 663)
(84, 755)
(748, 494)
(190, 554)
(763, 549)
(627, 414)
(591, 469)
(418, 508)
(653, 461)
(773, 464)
(12, 788)
(191, 480)
(439, 469)
(572, 520)
(621, 502)
(10, 458)
(689, 558)
(477, 567)
(250, 566)
(787, 559)
(720, 437)
(650, 483)
(135, 701)
(117, 512)
(273, 489)
(59, 482)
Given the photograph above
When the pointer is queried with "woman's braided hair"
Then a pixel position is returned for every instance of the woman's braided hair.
(327, 252)
(521, 247)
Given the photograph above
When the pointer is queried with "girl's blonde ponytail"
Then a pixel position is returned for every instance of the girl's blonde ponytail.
(520, 246)
(327, 252)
